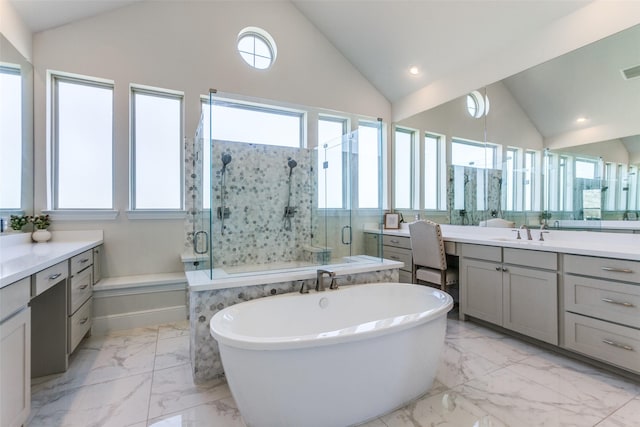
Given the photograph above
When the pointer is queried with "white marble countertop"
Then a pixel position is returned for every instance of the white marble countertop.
(20, 257)
(601, 244)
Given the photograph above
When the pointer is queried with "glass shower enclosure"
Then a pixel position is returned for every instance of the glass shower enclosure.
(266, 208)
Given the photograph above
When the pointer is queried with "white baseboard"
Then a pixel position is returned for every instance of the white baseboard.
(137, 319)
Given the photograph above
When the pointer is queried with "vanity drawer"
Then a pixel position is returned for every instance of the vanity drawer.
(50, 276)
(616, 302)
(79, 324)
(81, 261)
(80, 289)
(607, 268)
(529, 258)
(488, 253)
(397, 241)
(14, 296)
(602, 340)
(396, 254)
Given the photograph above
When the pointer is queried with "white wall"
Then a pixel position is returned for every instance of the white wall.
(15, 30)
(190, 47)
(506, 123)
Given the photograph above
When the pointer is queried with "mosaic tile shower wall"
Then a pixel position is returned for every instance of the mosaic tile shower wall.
(468, 208)
(256, 193)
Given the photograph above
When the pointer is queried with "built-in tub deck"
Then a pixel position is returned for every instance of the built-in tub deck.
(210, 292)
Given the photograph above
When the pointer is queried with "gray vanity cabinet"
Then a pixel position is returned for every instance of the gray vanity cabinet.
(602, 309)
(512, 288)
(15, 353)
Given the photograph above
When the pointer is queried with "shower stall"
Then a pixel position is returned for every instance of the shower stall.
(264, 208)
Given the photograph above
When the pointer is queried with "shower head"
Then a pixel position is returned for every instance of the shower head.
(292, 164)
(226, 159)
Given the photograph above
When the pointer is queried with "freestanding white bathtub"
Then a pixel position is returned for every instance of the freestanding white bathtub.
(333, 358)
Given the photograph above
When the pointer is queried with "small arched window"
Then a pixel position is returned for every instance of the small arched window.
(257, 48)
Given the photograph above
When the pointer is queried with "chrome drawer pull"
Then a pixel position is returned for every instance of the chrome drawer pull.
(82, 261)
(394, 241)
(83, 320)
(622, 303)
(617, 270)
(394, 257)
(84, 286)
(55, 276)
(618, 345)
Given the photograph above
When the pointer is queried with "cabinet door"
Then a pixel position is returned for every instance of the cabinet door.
(481, 290)
(15, 369)
(531, 303)
(372, 244)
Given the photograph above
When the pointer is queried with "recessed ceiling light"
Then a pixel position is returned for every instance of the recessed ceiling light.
(414, 71)
(581, 119)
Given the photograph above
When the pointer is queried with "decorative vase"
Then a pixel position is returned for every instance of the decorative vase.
(41, 235)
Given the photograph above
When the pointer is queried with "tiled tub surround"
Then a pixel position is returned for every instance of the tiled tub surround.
(203, 304)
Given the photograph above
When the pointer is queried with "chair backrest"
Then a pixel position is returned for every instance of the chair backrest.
(427, 245)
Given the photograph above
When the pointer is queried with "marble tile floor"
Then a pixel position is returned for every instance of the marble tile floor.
(142, 377)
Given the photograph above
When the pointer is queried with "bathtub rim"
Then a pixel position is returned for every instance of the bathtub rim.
(407, 321)
(199, 280)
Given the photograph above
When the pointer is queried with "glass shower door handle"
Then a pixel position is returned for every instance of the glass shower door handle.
(196, 240)
(347, 241)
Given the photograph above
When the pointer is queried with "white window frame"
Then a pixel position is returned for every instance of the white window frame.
(441, 161)
(56, 213)
(413, 179)
(161, 212)
(16, 182)
(345, 122)
(381, 147)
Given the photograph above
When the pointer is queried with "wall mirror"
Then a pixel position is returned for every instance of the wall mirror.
(16, 132)
(560, 143)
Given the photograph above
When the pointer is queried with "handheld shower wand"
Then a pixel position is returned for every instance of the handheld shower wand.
(289, 210)
(223, 211)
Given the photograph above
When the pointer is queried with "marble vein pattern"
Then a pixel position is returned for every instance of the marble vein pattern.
(203, 305)
(517, 385)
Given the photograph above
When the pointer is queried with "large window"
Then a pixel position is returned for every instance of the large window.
(238, 122)
(434, 172)
(331, 182)
(509, 183)
(10, 138)
(403, 168)
(369, 153)
(156, 119)
(82, 142)
(529, 181)
(473, 154)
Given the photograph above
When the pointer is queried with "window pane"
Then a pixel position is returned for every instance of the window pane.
(330, 183)
(585, 169)
(157, 141)
(402, 169)
(10, 138)
(368, 177)
(84, 146)
(509, 179)
(431, 171)
(528, 180)
(467, 154)
(232, 122)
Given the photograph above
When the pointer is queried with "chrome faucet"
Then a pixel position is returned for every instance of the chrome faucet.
(320, 280)
(524, 227)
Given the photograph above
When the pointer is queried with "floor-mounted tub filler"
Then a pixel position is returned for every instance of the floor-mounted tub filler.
(333, 358)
